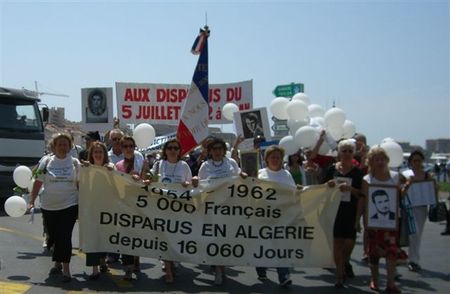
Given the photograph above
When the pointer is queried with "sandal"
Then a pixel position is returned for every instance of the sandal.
(373, 286)
(103, 268)
(128, 276)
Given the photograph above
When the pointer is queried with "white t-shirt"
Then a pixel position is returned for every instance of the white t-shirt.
(210, 169)
(60, 182)
(178, 172)
(138, 157)
(393, 180)
(281, 176)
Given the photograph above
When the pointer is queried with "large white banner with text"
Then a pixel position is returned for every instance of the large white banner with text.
(161, 103)
(232, 221)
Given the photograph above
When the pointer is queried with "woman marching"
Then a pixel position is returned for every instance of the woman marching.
(218, 166)
(274, 172)
(171, 169)
(98, 156)
(137, 169)
(382, 243)
(59, 200)
(349, 180)
(416, 173)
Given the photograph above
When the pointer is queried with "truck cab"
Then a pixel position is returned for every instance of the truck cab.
(22, 140)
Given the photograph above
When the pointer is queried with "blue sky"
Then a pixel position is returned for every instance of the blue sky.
(386, 63)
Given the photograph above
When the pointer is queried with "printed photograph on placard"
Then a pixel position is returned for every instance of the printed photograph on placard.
(252, 123)
(382, 207)
(249, 163)
(422, 193)
(95, 103)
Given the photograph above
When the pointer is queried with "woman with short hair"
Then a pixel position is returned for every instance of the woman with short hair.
(59, 200)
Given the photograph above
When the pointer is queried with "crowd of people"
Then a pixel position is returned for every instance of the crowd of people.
(353, 170)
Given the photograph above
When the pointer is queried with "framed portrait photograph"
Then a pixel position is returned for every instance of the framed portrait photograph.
(382, 207)
(249, 163)
(422, 193)
(96, 104)
(252, 124)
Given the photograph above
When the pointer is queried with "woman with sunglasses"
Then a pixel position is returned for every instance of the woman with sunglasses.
(137, 169)
(218, 166)
(348, 177)
(98, 156)
(171, 169)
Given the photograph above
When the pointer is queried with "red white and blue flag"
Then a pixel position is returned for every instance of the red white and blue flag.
(193, 125)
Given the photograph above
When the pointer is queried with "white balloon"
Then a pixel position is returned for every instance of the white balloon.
(336, 132)
(22, 176)
(297, 109)
(395, 153)
(307, 136)
(317, 122)
(387, 139)
(316, 110)
(349, 129)
(278, 107)
(302, 97)
(15, 206)
(228, 110)
(289, 145)
(144, 134)
(294, 125)
(324, 148)
(228, 154)
(30, 185)
(334, 117)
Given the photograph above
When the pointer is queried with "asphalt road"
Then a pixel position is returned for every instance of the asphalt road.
(25, 267)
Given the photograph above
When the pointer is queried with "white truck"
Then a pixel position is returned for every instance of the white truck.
(22, 140)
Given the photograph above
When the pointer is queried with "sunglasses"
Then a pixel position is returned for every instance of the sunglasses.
(216, 147)
(173, 148)
(347, 151)
(115, 139)
(128, 146)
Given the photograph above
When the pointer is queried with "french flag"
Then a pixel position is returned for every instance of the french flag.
(193, 124)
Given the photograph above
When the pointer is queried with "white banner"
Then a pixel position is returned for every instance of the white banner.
(161, 103)
(225, 222)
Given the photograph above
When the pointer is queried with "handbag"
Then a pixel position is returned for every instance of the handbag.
(438, 212)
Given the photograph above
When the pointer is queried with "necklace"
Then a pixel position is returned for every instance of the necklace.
(173, 169)
(217, 165)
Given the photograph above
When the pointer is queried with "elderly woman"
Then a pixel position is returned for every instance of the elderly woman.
(137, 169)
(382, 243)
(416, 173)
(274, 172)
(98, 156)
(217, 166)
(349, 180)
(171, 169)
(59, 200)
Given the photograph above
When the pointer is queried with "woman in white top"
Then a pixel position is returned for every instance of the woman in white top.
(59, 200)
(171, 169)
(98, 156)
(381, 243)
(218, 166)
(138, 171)
(274, 172)
(416, 173)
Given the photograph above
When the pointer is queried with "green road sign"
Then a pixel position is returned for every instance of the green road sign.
(288, 90)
